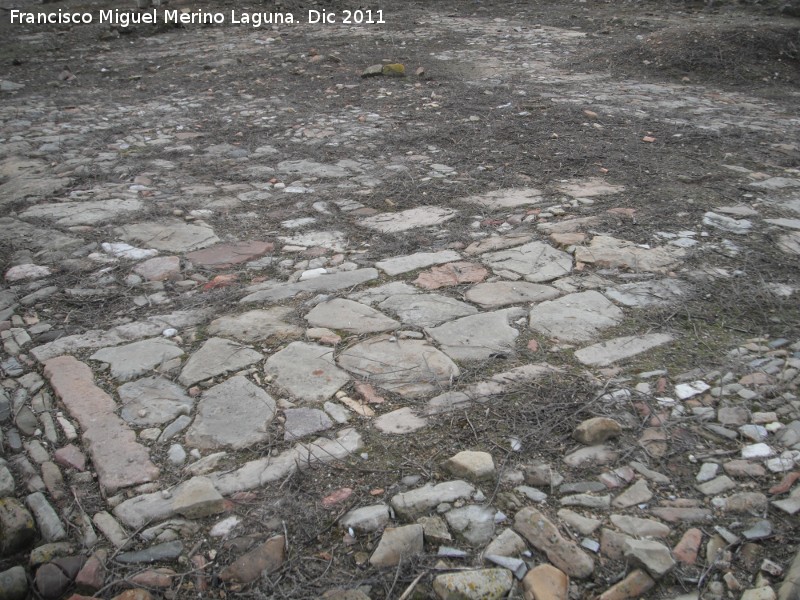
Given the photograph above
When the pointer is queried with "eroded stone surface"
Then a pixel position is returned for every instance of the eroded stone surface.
(575, 317)
(536, 262)
(215, 357)
(307, 371)
(139, 358)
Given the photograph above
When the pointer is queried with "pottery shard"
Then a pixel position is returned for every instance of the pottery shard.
(545, 537)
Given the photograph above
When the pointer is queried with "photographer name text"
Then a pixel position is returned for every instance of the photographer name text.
(124, 18)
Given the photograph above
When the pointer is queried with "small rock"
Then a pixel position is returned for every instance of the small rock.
(687, 548)
(635, 585)
(653, 556)
(51, 582)
(544, 536)
(366, 519)
(198, 498)
(160, 552)
(483, 584)
(545, 582)
(596, 431)
(396, 544)
(475, 524)
(13, 584)
(474, 466)
(17, 527)
(638, 493)
(268, 557)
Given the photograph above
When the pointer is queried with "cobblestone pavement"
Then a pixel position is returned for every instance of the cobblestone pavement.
(284, 335)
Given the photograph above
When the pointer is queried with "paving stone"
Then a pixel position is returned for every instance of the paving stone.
(597, 455)
(17, 525)
(7, 485)
(349, 316)
(426, 310)
(635, 585)
(606, 251)
(580, 523)
(716, 486)
(535, 262)
(483, 584)
(111, 529)
(507, 543)
(118, 459)
(545, 582)
(451, 274)
(408, 367)
(506, 198)
(474, 524)
(274, 291)
(236, 413)
(215, 357)
(472, 465)
(301, 422)
(477, 337)
(416, 503)
(14, 583)
(575, 317)
(168, 235)
(366, 519)
(153, 401)
(596, 430)
(398, 544)
(159, 268)
(256, 325)
(90, 212)
(638, 527)
(224, 256)
(404, 264)
(589, 188)
(165, 551)
(545, 537)
(727, 224)
(503, 293)
(681, 514)
(47, 520)
(647, 293)
(638, 493)
(608, 352)
(497, 242)
(400, 421)
(138, 358)
(268, 557)
(412, 218)
(198, 498)
(307, 371)
(653, 556)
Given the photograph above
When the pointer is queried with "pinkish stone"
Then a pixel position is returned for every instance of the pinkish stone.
(153, 578)
(159, 268)
(70, 456)
(451, 274)
(119, 460)
(368, 393)
(686, 550)
(92, 576)
(222, 256)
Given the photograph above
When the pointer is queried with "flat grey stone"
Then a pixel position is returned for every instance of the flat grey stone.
(472, 523)
(400, 421)
(198, 498)
(159, 552)
(168, 235)
(423, 216)
(174, 428)
(536, 262)
(426, 310)
(236, 413)
(647, 293)
(215, 357)
(776, 183)
(308, 168)
(589, 188)
(256, 325)
(47, 520)
(408, 367)
(417, 503)
(138, 358)
(729, 224)
(153, 401)
(606, 251)
(366, 519)
(48, 245)
(349, 316)
(788, 223)
(307, 371)
(379, 293)
(419, 260)
(301, 422)
(638, 527)
(503, 293)
(398, 544)
(653, 556)
(606, 353)
(273, 291)
(575, 317)
(477, 337)
(83, 213)
(509, 198)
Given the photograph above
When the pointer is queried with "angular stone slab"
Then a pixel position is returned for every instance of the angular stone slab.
(235, 414)
(118, 459)
(139, 358)
(545, 537)
(589, 188)
(310, 168)
(412, 262)
(611, 351)
(416, 503)
(168, 235)
(503, 293)
(477, 337)
(301, 422)
(504, 199)
(408, 367)
(256, 325)
(426, 310)
(83, 213)
(273, 291)
(153, 401)
(400, 421)
(647, 293)
(222, 256)
(48, 245)
(497, 242)
(307, 371)
(423, 216)
(606, 251)
(451, 274)
(575, 317)
(350, 316)
(536, 262)
(215, 357)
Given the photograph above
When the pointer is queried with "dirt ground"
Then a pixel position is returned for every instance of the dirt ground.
(508, 94)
